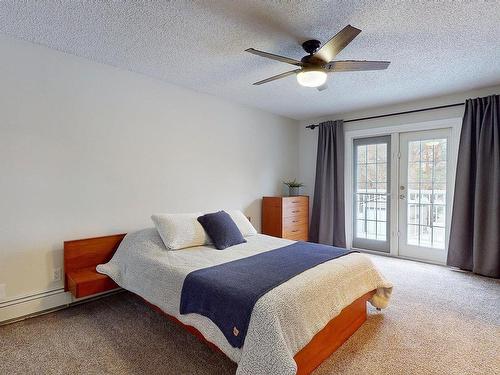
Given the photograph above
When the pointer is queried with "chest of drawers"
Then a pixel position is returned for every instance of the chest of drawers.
(286, 217)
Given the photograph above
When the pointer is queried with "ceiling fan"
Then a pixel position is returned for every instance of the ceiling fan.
(313, 68)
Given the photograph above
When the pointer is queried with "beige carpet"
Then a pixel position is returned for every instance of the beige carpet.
(440, 322)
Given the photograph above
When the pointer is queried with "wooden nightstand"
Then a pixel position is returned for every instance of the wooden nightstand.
(80, 259)
(286, 217)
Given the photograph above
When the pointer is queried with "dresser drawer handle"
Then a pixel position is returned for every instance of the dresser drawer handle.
(295, 201)
(295, 230)
(295, 211)
(294, 221)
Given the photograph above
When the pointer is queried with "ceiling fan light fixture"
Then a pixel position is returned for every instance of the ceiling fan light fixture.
(311, 70)
(311, 78)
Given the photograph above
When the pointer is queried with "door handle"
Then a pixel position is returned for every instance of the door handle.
(402, 195)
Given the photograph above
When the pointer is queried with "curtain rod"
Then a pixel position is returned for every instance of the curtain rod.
(394, 114)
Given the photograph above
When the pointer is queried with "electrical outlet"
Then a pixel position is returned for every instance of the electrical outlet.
(3, 291)
(56, 274)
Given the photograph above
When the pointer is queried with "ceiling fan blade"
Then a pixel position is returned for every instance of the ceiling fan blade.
(274, 57)
(356, 66)
(336, 44)
(273, 78)
(323, 87)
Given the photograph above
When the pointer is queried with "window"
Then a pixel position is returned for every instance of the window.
(371, 192)
(426, 204)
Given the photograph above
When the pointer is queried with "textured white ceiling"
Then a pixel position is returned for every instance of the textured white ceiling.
(435, 47)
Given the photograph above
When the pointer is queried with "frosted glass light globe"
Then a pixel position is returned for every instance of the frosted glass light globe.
(311, 78)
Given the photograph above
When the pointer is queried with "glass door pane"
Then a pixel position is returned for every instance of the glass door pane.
(372, 165)
(423, 194)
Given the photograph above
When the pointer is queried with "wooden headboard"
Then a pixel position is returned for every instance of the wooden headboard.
(89, 252)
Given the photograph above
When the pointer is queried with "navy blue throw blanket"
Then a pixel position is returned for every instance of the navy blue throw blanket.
(227, 293)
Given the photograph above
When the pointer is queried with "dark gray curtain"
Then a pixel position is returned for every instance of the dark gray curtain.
(475, 225)
(328, 217)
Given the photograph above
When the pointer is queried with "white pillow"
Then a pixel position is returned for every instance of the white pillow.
(179, 231)
(244, 225)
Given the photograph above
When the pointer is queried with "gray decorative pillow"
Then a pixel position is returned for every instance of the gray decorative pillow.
(221, 229)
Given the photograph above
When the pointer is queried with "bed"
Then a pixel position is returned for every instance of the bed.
(291, 329)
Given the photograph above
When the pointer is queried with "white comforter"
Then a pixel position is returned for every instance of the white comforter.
(283, 321)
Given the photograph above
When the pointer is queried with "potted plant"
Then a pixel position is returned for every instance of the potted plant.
(293, 187)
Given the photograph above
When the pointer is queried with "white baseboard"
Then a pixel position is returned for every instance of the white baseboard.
(28, 305)
(36, 304)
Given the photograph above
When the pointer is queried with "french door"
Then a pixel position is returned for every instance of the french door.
(424, 197)
(421, 199)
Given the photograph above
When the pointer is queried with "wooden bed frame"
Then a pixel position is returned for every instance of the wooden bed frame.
(81, 279)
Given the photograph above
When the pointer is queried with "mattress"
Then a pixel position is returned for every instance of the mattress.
(283, 321)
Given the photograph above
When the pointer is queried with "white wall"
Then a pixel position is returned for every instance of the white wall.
(87, 149)
(308, 138)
